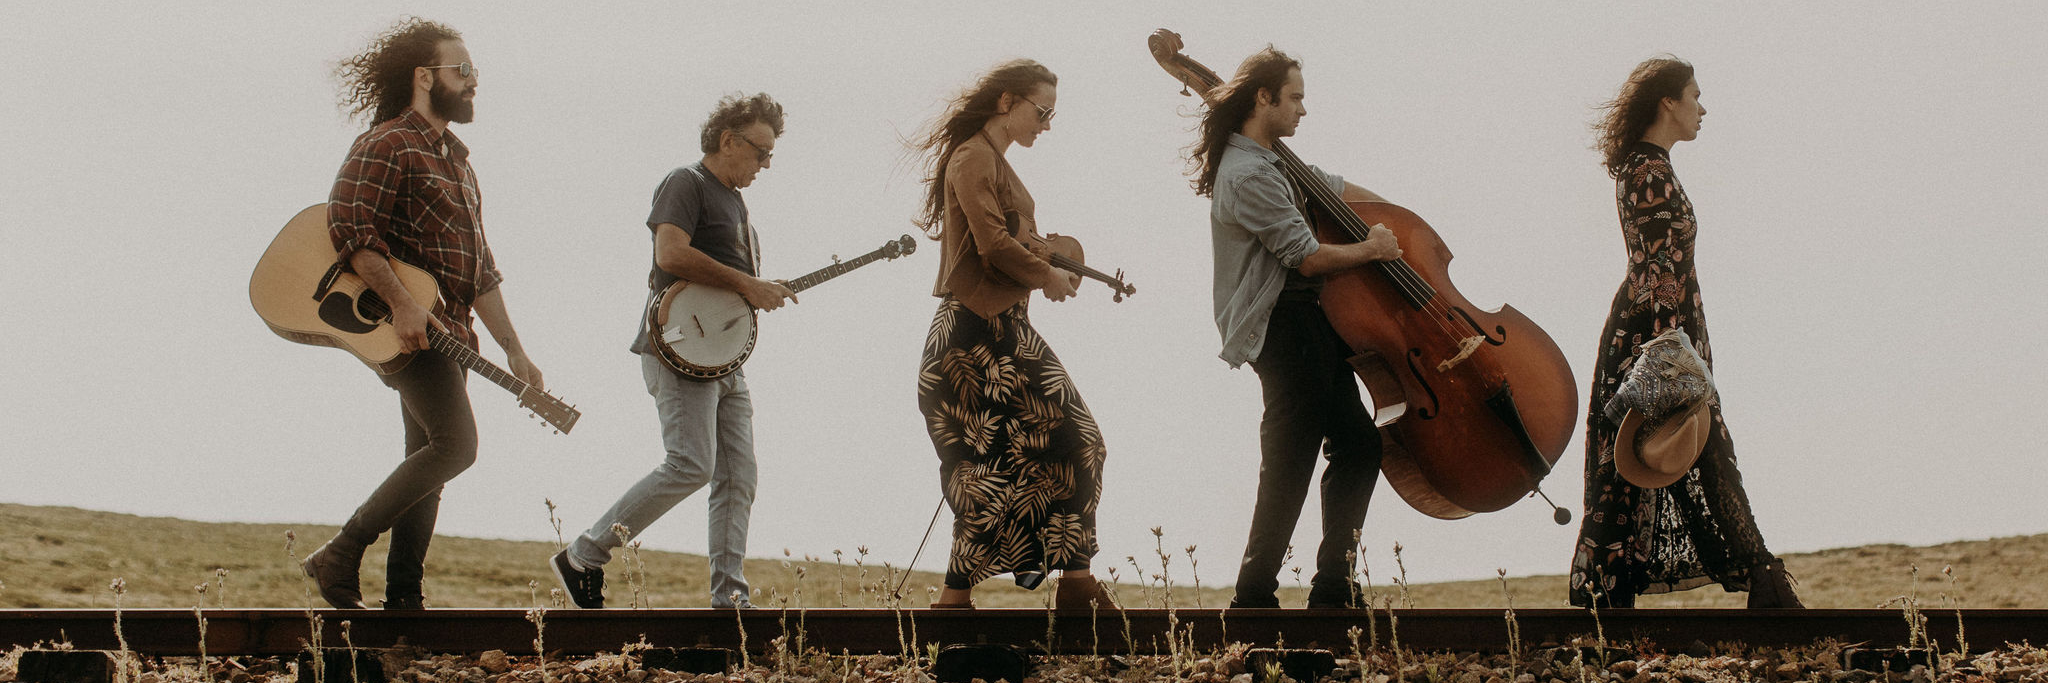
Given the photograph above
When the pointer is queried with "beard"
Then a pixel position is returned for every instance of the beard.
(448, 104)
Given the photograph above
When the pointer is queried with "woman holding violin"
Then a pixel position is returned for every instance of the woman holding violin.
(1698, 530)
(1268, 273)
(1020, 457)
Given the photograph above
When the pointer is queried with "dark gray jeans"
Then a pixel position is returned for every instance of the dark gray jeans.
(440, 442)
(1311, 399)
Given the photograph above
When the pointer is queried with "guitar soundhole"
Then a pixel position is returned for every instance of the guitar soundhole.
(343, 312)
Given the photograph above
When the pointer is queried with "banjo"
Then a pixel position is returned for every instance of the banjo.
(706, 332)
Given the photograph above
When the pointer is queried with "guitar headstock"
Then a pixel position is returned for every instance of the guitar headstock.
(901, 246)
(1165, 46)
(545, 406)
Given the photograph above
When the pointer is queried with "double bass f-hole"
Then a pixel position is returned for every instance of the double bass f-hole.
(1430, 411)
(1474, 324)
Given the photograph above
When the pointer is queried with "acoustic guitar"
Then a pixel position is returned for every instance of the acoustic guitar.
(306, 294)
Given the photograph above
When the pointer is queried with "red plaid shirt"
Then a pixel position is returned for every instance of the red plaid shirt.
(407, 192)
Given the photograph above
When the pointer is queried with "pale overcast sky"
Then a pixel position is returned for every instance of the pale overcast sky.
(1867, 181)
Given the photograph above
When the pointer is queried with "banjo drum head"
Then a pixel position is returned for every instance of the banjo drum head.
(704, 331)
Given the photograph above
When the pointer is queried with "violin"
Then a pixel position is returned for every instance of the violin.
(1473, 406)
(1065, 252)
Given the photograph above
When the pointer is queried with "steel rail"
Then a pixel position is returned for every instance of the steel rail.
(174, 632)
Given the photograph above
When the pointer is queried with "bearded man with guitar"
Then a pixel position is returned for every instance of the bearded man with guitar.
(407, 193)
(702, 237)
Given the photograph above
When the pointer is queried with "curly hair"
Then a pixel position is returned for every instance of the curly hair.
(736, 112)
(966, 115)
(377, 83)
(1627, 117)
(1233, 103)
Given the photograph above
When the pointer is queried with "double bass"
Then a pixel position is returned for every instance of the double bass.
(1473, 406)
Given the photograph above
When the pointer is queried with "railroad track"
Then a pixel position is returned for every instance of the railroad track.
(174, 632)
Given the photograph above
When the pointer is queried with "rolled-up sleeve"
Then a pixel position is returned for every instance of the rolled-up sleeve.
(490, 278)
(1336, 182)
(365, 189)
(1261, 204)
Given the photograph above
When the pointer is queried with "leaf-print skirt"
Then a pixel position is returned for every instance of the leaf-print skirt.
(1020, 457)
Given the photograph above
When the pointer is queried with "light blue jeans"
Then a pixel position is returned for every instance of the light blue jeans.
(708, 430)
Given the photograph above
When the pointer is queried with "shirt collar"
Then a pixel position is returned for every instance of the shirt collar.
(412, 118)
(1239, 141)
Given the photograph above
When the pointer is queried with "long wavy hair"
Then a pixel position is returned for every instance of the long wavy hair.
(1233, 103)
(1627, 117)
(377, 83)
(965, 116)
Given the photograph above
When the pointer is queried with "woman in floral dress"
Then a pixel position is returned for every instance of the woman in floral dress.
(1020, 458)
(1700, 530)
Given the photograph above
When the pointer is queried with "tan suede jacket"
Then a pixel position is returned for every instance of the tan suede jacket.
(980, 262)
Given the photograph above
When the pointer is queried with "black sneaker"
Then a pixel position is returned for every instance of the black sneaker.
(585, 588)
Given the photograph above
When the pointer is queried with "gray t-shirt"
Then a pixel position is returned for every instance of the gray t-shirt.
(714, 216)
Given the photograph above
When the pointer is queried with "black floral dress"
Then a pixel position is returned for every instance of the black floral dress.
(1020, 457)
(1699, 530)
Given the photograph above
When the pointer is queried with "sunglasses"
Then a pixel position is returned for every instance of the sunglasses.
(761, 155)
(1045, 114)
(464, 69)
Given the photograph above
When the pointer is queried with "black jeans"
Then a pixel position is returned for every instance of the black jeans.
(1312, 404)
(440, 442)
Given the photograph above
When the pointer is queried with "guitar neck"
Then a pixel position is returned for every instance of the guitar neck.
(468, 358)
(543, 404)
(819, 276)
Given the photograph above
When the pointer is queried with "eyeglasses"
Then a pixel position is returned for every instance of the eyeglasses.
(760, 154)
(464, 69)
(1045, 114)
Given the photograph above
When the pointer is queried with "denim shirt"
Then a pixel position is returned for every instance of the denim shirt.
(1257, 233)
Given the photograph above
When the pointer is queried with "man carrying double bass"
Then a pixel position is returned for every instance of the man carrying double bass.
(1269, 270)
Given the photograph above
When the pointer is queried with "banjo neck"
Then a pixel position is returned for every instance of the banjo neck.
(707, 332)
(838, 268)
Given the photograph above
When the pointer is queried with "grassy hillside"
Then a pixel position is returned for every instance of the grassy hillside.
(66, 557)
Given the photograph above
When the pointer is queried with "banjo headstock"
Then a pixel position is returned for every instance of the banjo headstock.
(901, 246)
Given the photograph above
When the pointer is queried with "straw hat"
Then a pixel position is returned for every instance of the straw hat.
(1659, 457)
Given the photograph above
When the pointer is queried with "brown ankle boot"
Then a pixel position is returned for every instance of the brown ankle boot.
(1770, 586)
(1078, 592)
(336, 568)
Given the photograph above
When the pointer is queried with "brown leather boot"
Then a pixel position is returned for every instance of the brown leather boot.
(336, 568)
(1079, 591)
(1770, 586)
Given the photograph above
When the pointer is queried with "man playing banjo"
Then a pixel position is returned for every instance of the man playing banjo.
(701, 235)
